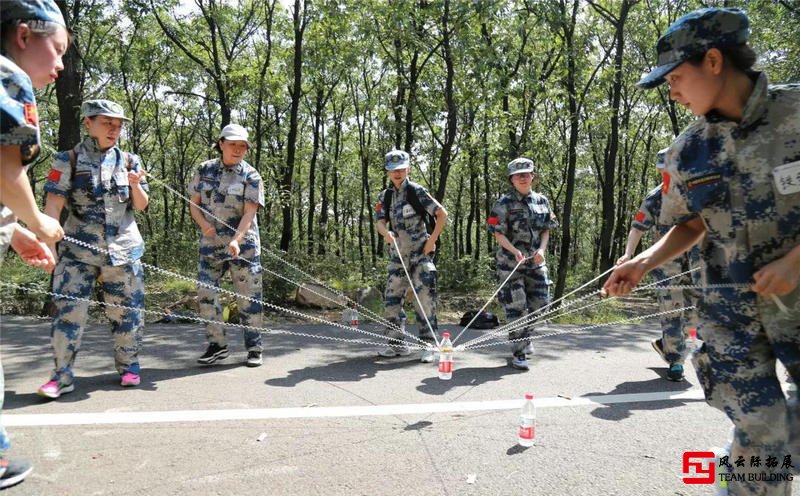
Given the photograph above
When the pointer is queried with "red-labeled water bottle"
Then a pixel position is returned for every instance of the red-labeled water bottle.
(527, 422)
(446, 358)
(353, 317)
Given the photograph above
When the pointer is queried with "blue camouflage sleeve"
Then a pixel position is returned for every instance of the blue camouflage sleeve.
(552, 222)
(380, 209)
(428, 202)
(59, 179)
(19, 118)
(254, 189)
(194, 184)
(674, 200)
(647, 215)
(496, 223)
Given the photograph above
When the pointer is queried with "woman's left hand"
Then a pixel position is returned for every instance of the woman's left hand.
(135, 177)
(778, 277)
(430, 247)
(538, 257)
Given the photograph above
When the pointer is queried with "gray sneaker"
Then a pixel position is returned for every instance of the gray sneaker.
(428, 355)
(394, 351)
(13, 471)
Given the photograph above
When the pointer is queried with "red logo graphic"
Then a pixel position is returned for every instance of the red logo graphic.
(640, 216)
(703, 467)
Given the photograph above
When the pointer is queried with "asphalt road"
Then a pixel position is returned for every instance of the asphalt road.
(325, 417)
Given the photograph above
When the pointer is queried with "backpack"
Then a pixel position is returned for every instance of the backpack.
(486, 320)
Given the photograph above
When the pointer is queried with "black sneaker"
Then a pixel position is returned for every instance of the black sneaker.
(213, 353)
(675, 372)
(13, 472)
(254, 359)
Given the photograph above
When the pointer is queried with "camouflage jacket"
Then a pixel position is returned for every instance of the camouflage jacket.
(521, 218)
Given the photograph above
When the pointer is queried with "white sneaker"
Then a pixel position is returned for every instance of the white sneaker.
(394, 351)
(428, 355)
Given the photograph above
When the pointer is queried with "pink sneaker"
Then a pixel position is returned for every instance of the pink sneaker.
(54, 389)
(130, 379)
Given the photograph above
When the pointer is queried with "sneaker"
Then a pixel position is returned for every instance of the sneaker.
(528, 350)
(13, 471)
(675, 372)
(394, 351)
(213, 353)
(428, 355)
(254, 359)
(519, 362)
(659, 347)
(130, 379)
(53, 389)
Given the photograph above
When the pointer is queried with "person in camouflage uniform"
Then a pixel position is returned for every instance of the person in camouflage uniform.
(101, 186)
(399, 221)
(34, 38)
(231, 191)
(732, 179)
(521, 221)
(671, 346)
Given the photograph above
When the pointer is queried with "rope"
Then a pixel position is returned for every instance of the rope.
(364, 310)
(262, 330)
(236, 295)
(414, 291)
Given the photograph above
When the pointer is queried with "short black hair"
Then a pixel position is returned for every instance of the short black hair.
(741, 57)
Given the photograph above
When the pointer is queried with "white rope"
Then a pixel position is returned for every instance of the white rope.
(414, 291)
(237, 295)
(262, 330)
(364, 310)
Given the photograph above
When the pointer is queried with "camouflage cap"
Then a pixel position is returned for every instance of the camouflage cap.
(31, 10)
(91, 108)
(520, 165)
(395, 160)
(693, 34)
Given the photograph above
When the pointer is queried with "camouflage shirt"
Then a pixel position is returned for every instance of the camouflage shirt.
(223, 192)
(406, 223)
(19, 125)
(521, 218)
(743, 180)
(99, 204)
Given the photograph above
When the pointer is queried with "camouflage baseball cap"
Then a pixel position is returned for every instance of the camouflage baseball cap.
(395, 160)
(693, 34)
(31, 10)
(520, 165)
(91, 108)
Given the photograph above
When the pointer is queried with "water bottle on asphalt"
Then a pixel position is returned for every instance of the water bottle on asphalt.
(446, 358)
(527, 422)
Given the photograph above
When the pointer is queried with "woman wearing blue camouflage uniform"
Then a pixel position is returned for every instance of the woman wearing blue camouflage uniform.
(229, 191)
(399, 222)
(101, 186)
(521, 221)
(34, 39)
(733, 181)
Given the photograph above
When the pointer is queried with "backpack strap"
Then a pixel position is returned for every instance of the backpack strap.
(73, 161)
(388, 193)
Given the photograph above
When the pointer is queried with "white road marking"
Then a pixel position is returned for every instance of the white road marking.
(116, 418)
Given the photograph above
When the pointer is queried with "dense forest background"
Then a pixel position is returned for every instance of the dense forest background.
(326, 88)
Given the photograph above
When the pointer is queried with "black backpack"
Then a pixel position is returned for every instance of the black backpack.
(486, 320)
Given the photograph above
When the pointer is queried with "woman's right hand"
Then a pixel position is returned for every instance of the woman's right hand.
(47, 229)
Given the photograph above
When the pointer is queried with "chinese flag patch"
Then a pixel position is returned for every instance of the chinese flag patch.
(492, 221)
(379, 207)
(31, 114)
(664, 181)
(54, 175)
(639, 216)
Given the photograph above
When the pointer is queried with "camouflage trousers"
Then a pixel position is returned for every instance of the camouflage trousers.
(121, 285)
(736, 367)
(527, 291)
(6, 230)
(675, 326)
(423, 275)
(246, 279)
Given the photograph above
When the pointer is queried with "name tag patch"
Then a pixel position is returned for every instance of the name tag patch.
(704, 180)
(787, 178)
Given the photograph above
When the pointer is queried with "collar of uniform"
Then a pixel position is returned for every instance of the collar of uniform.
(233, 168)
(519, 196)
(403, 185)
(90, 145)
(756, 105)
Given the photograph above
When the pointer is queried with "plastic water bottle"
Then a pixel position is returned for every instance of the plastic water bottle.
(353, 317)
(446, 358)
(527, 422)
